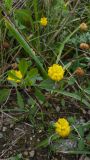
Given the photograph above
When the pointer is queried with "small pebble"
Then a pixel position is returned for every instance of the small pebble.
(87, 158)
(57, 108)
(25, 153)
(40, 131)
(38, 140)
(31, 138)
(89, 112)
(0, 126)
(11, 125)
(32, 153)
(1, 135)
(29, 148)
(4, 129)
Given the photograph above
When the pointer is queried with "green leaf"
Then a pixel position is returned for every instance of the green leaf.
(47, 84)
(31, 101)
(88, 138)
(31, 77)
(23, 15)
(67, 65)
(47, 141)
(71, 81)
(39, 95)
(4, 94)
(65, 93)
(23, 66)
(17, 157)
(80, 144)
(20, 100)
(87, 90)
(33, 72)
(81, 131)
(13, 75)
(72, 120)
(8, 4)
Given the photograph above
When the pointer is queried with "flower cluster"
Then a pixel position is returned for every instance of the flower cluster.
(62, 127)
(56, 72)
(83, 26)
(84, 46)
(15, 76)
(79, 71)
(43, 21)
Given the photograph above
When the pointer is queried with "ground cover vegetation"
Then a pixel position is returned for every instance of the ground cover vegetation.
(45, 80)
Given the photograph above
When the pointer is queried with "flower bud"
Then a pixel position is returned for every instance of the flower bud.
(6, 45)
(83, 27)
(79, 71)
(84, 46)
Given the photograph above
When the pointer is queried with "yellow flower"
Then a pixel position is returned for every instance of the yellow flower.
(56, 72)
(15, 76)
(62, 127)
(43, 21)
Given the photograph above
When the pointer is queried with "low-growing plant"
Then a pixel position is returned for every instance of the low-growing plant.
(45, 69)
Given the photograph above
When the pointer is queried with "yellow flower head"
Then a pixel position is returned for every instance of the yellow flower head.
(43, 21)
(56, 72)
(62, 127)
(15, 76)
